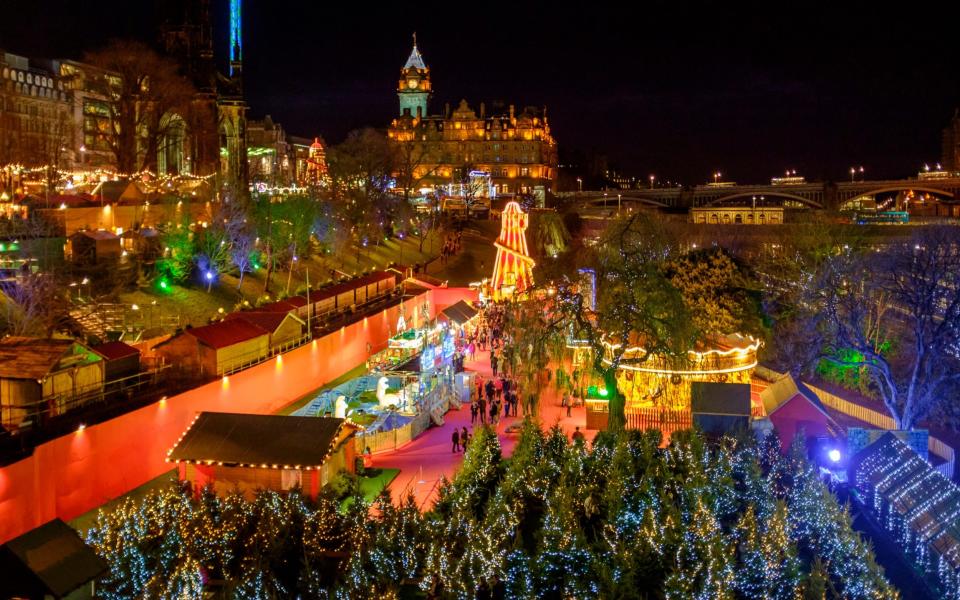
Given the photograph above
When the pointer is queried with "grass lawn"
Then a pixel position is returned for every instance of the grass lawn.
(371, 486)
(84, 522)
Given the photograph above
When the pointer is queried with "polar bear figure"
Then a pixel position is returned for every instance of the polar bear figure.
(340, 409)
(383, 398)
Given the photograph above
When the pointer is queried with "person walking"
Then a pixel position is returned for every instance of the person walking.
(578, 435)
(464, 438)
(473, 413)
(482, 411)
(456, 440)
(493, 361)
(569, 405)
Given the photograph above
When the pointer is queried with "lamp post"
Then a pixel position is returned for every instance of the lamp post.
(579, 184)
(651, 181)
(618, 204)
(853, 172)
(716, 177)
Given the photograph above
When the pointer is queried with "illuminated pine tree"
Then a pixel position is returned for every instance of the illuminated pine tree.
(563, 557)
(703, 565)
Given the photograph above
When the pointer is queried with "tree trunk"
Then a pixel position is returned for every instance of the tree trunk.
(617, 417)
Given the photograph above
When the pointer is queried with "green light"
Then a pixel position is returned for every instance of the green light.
(603, 392)
(163, 284)
(3, 247)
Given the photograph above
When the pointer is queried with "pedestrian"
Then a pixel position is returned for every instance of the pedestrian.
(482, 411)
(473, 413)
(493, 361)
(577, 435)
(456, 440)
(464, 438)
(493, 412)
(491, 388)
(569, 405)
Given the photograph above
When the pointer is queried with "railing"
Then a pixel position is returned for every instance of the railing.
(664, 419)
(852, 409)
(256, 357)
(55, 405)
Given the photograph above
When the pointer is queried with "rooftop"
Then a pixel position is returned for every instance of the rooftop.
(260, 440)
(226, 333)
(115, 350)
(51, 559)
(35, 358)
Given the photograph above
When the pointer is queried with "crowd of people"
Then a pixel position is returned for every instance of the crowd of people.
(498, 396)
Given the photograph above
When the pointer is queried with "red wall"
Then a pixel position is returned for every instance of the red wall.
(796, 414)
(74, 474)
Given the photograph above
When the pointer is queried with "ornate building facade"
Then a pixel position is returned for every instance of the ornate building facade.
(514, 149)
(214, 138)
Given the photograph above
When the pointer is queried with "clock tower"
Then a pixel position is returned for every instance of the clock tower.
(414, 88)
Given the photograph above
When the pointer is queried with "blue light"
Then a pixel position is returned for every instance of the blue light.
(236, 37)
(834, 455)
(209, 275)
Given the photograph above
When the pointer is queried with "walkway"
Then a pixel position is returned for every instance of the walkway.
(423, 461)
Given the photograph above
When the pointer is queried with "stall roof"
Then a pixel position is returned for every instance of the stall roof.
(280, 440)
(460, 313)
(226, 333)
(51, 558)
(115, 350)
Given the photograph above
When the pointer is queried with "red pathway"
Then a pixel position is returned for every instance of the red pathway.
(424, 460)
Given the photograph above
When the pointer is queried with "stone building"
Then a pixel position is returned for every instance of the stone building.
(513, 150)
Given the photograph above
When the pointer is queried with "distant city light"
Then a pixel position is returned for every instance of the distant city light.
(834, 455)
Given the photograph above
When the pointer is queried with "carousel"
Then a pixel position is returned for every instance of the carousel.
(664, 382)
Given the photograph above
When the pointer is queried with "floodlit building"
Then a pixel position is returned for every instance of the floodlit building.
(515, 149)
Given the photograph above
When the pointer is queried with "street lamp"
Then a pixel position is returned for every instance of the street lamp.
(580, 184)
(651, 181)
(853, 172)
(618, 204)
(716, 177)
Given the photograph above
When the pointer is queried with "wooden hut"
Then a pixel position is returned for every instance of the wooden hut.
(50, 561)
(94, 246)
(285, 328)
(272, 452)
(217, 349)
(45, 375)
(120, 360)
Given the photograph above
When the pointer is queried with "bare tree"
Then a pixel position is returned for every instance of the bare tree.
(33, 304)
(910, 293)
(146, 95)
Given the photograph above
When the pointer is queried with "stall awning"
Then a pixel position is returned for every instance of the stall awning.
(460, 313)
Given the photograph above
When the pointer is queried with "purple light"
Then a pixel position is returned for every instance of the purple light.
(834, 455)
(209, 275)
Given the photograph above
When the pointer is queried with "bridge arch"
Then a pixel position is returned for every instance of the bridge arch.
(611, 200)
(765, 194)
(853, 202)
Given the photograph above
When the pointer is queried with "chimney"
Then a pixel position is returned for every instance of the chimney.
(419, 112)
(511, 112)
(446, 110)
(483, 110)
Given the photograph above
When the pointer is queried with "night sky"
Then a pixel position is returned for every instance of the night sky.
(679, 91)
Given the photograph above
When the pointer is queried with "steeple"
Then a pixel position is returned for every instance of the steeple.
(236, 39)
(414, 88)
(415, 60)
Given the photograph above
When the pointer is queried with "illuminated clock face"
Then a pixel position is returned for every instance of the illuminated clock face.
(412, 84)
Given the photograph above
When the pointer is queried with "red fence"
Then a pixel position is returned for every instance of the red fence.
(76, 473)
